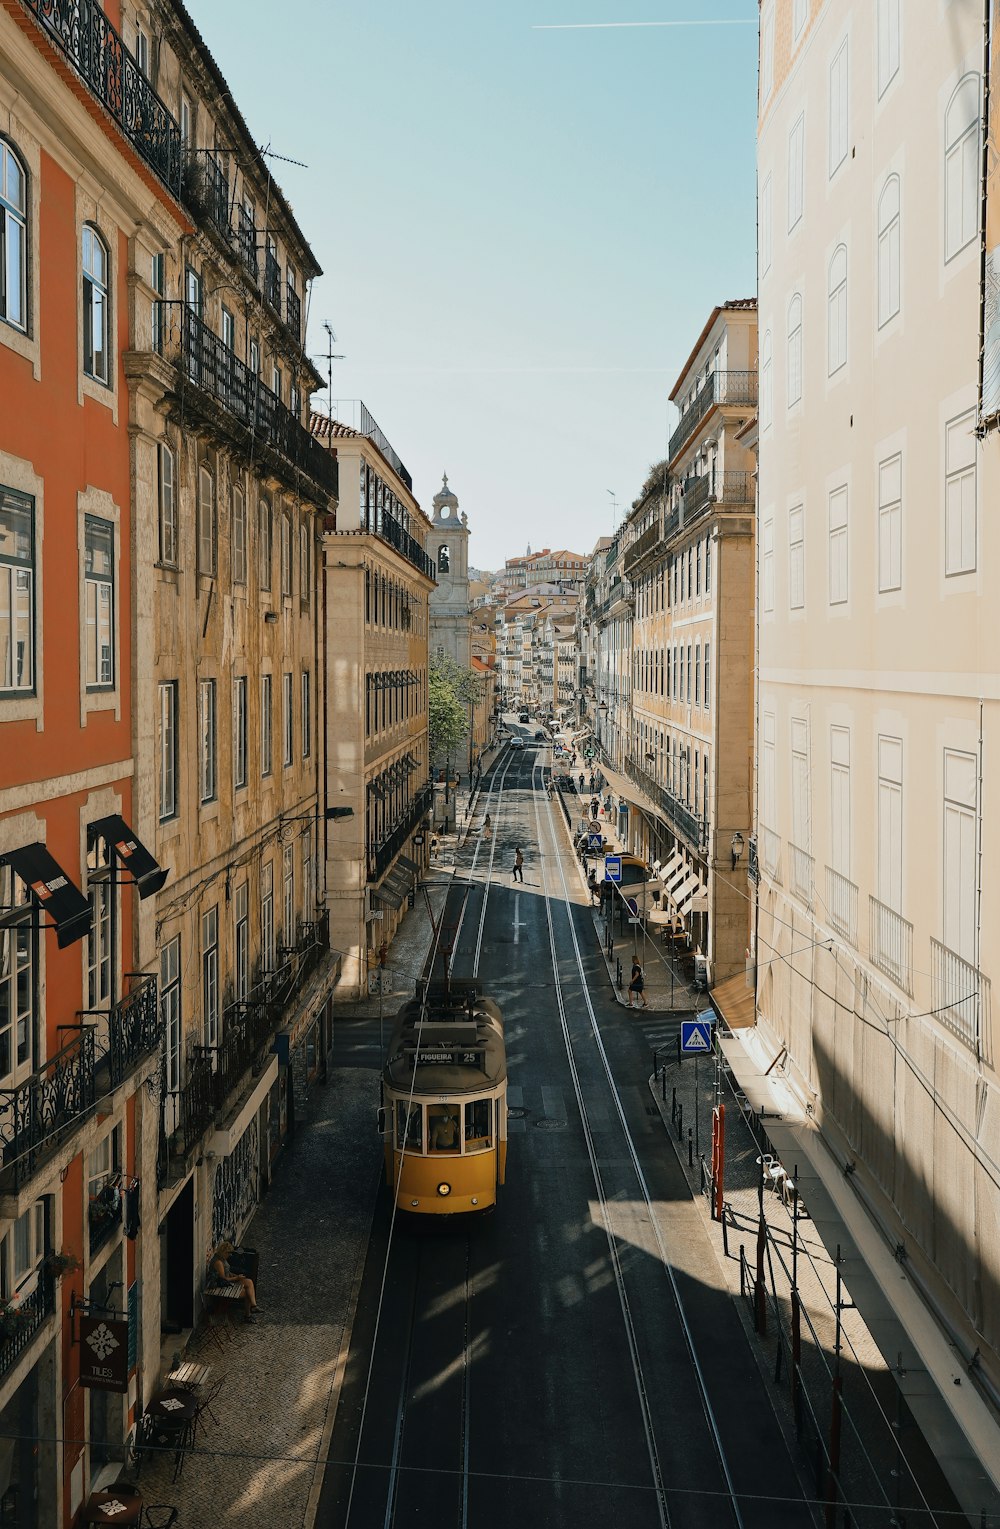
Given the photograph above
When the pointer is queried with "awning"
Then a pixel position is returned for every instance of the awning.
(408, 865)
(677, 877)
(699, 903)
(385, 894)
(130, 853)
(623, 787)
(733, 1001)
(52, 891)
(673, 864)
(685, 892)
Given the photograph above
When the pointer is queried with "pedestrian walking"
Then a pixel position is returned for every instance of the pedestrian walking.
(517, 870)
(487, 826)
(581, 782)
(637, 985)
(592, 886)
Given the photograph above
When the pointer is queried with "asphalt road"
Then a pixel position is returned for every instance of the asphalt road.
(572, 1358)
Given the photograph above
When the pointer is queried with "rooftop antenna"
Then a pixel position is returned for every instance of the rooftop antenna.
(329, 357)
(614, 507)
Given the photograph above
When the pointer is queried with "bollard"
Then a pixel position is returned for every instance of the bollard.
(725, 1231)
(618, 974)
(656, 1066)
(690, 1148)
(680, 1121)
(678, 1048)
(663, 1085)
(673, 1100)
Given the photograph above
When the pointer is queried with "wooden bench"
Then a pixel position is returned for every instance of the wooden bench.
(189, 1376)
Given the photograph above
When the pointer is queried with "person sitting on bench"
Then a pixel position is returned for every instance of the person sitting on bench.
(221, 1274)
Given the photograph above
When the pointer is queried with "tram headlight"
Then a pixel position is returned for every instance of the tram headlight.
(444, 1190)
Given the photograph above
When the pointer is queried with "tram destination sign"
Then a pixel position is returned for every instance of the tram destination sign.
(440, 1056)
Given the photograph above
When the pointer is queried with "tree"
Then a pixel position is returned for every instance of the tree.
(450, 691)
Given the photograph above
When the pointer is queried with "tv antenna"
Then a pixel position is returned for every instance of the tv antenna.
(329, 357)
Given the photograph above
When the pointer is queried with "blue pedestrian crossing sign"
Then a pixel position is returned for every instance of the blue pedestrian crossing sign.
(613, 868)
(696, 1035)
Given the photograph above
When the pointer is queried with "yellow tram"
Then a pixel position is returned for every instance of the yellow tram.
(444, 1101)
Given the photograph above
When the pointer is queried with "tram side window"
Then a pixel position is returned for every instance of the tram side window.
(477, 1122)
(409, 1136)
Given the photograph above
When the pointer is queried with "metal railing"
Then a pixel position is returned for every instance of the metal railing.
(206, 191)
(20, 1323)
(641, 546)
(51, 1100)
(734, 487)
(134, 1028)
(803, 873)
(99, 55)
(355, 413)
(961, 997)
(293, 312)
(842, 904)
(104, 1212)
(736, 388)
(687, 822)
(389, 529)
(246, 242)
(213, 368)
(770, 844)
(272, 281)
(890, 946)
(696, 496)
(381, 855)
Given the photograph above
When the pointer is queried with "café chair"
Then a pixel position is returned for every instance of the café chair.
(159, 1521)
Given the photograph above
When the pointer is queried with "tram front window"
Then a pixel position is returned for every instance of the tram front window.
(409, 1132)
(442, 1128)
(477, 1124)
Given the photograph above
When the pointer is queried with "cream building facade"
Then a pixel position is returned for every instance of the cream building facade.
(878, 705)
(378, 577)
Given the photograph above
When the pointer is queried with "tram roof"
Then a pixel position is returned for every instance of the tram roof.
(453, 1045)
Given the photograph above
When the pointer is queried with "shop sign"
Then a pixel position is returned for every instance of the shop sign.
(103, 1353)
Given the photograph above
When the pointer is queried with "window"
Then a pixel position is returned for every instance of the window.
(306, 715)
(28, 1242)
(697, 674)
(960, 495)
(800, 15)
(267, 917)
(961, 167)
(206, 522)
(708, 675)
(210, 975)
(888, 251)
(241, 942)
(794, 350)
(158, 282)
(96, 310)
(796, 559)
(240, 731)
(288, 720)
(19, 1006)
(836, 335)
(228, 330)
(207, 736)
(765, 227)
(99, 602)
(838, 547)
(142, 51)
(167, 500)
(266, 761)
(17, 592)
(887, 43)
(170, 1009)
(168, 750)
(796, 171)
(687, 695)
(767, 566)
(305, 563)
(960, 873)
(766, 393)
(768, 787)
(239, 543)
(766, 53)
(890, 824)
(444, 558)
(288, 877)
(801, 820)
(264, 543)
(13, 239)
(708, 564)
(890, 523)
(186, 121)
(307, 872)
(286, 554)
(840, 805)
(838, 108)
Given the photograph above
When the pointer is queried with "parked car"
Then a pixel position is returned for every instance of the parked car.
(517, 743)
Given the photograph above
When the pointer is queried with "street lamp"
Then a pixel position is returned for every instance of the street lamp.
(736, 849)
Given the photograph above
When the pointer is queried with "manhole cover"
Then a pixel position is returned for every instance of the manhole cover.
(544, 1124)
(514, 1113)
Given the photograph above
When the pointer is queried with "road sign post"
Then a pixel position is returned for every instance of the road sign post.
(696, 1035)
(613, 868)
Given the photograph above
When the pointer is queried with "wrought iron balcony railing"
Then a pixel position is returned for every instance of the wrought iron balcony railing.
(20, 1323)
(802, 873)
(99, 55)
(641, 547)
(389, 529)
(134, 1028)
(890, 946)
(246, 242)
(842, 904)
(293, 312)
(678, 813)
(57, 1095)
(697, 492)
(735, 388)
(104, 1212)
(961, 998)
(272, 281)
(734, 488)
(381, 855)
(206, 192)
(213, 368)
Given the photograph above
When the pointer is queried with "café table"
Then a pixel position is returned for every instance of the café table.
(172, 1414)
(188, 1376)
(110, 1507)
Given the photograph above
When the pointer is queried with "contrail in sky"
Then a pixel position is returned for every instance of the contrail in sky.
(600, 26)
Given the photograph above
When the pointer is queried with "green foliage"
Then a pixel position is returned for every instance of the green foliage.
(450, 692)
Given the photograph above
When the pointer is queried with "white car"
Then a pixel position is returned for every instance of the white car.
(517, 743)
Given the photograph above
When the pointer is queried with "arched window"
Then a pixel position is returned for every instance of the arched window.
(888, 251)
(961, 166)
(206, 522)
(765, 381)
(794, 349)
(837, 311)
(444, 558)
(13, 238)
(96, 308)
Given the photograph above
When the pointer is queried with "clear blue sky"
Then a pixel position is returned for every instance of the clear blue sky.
(522, 231)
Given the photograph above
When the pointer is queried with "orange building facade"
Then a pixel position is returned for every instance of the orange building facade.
(79, 1030)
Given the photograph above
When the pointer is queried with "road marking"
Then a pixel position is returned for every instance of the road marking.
(518, 926)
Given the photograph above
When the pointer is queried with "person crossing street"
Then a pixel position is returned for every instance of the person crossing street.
(517, 870)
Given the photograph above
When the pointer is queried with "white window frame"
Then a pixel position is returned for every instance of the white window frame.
(210, 974)
(890, 523)
(796, 171)
(306, 714)
(166, 483)
(796, 558)
(14, 248)
(836, 327)
(167, 796)
(887, 44)
(170, 1010)
(766, 222)
(240, 731)
(766, 381)
(18, 579)
(960, 829)
(266, 725)
(95, 267)
(961, 529)
(288, 719)
(99, 607)
(241, 941)
(208, 772)
(839, 573)
(800, 15)
(767, 567)
(794, 376)
(962, 190)
(239, 534)
(839, 113)
(889, 251)
(207, 537)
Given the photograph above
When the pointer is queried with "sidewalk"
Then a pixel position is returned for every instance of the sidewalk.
(257, 1469)
(894, 1418)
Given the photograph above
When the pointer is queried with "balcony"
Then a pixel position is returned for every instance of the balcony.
(695, 497)
(842, 905)
(961, 998)
(217, 374)
(390, 530)
(82, 32)
(293, 313)
(642, 545)
(206, 192)
(381, 856)
(734, 488)
(354, 413)
(770, 844)
(738, 389)
(104, 1212)
(272, 281)
(20, 1323)
(245, 234)
(891, 944)
(38, 1113)
(686, 822)
(802, 882)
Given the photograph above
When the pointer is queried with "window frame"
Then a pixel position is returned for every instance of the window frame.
(171, 1003)
(166, 495)
(26, 569)
(208, 536)
(794, 357)
(167, 793)
(890, 523)
(210, 974)
(956, 476)
(838, 124)
(836, 312)
(839, 577)
(888, 260)
(238, 542)
(20, 969)
(288, 719)
(955, 151)
(208, 743)
(96, 291)
(266, 725)
(90, 578)
(240, 732)
(12, 215)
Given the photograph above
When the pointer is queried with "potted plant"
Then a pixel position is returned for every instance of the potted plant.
(12, 1320)
(63, 1263)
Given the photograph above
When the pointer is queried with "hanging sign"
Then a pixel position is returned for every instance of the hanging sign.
(103, 1353)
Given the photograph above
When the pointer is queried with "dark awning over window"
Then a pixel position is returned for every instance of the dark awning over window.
(131, 852)
(52, 891)
(408, 865)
